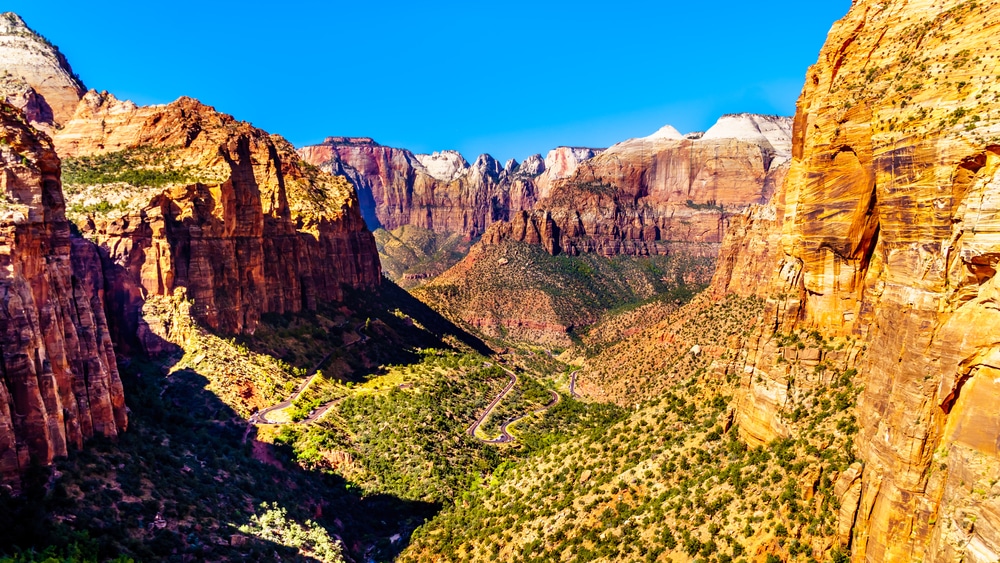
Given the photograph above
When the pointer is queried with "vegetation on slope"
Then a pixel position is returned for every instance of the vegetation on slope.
(412, 255)
(518, 292)
(671, 482)
(687, 341)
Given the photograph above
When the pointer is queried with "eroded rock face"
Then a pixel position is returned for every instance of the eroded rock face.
(60, 380)
(889, 234)
(440, 192)
(644, 195)
(226, 213)
(38, 79)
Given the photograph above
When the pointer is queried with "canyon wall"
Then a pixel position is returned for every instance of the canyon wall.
(645, 195)
(439, 192)
(888, 236)
(60, 380)
(211, 206)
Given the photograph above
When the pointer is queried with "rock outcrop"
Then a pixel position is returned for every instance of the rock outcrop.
(182, 197)
(440, 192)
(889, 235)
(37, 78)
(644, 195)
(60, 381)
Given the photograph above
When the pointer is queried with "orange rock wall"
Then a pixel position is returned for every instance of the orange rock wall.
(642, 199)
(888, 224)
(60, 382)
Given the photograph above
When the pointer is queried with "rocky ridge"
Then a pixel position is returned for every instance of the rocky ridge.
(60, 378)
(38, 79)
(439, 192)
(213, 207)
(641, 196)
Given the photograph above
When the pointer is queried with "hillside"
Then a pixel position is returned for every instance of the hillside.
(412, 255)
(517, 292)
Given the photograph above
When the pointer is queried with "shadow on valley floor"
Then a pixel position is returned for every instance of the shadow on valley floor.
(370, 330)
(181, 481)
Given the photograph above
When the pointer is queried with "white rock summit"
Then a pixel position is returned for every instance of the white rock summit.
(35, 76)
(445, 165)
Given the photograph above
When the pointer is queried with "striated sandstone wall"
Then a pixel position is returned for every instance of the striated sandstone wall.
(439, 192)
(643, 196)
(60, 382)
(889, 234)
(243, 227)
(37, 79)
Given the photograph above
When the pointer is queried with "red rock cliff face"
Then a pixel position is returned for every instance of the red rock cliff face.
(644, 195)
(60, 383)
(242, 226)
(889, 232)
(438, 192)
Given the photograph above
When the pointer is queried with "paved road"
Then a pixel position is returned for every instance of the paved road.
(513, 381)
(505, 436)
(572, 384)
(261, 417)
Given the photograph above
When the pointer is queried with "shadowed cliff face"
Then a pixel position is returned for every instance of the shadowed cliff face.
(888, 230)
(60, 381)
(221, 211)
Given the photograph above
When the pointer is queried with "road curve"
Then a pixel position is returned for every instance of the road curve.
(505, 436)
(261, 416)
(572, 384)
(510, 385)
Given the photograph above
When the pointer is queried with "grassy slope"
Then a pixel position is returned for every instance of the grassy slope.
(412, 255)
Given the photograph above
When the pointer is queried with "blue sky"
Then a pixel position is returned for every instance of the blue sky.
(509, 78)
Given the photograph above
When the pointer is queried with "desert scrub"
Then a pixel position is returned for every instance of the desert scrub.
(144, 166)
(273, 524)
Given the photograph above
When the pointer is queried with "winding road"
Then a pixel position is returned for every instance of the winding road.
(572, 384)
(503, 393)
(505, 436)
(261, 416)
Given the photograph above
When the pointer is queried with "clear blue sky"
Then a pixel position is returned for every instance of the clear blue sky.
(509, 78)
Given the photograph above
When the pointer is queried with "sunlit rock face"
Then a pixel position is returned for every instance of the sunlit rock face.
(60, 380)
(440, 192)
(36, 79)
(889, 233)
(643, 196)
(246, 229)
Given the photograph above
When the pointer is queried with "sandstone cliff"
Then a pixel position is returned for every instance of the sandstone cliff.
(888, 234)
(644, 195)
(37, 78)
(183, 198)
(60, 380)
(440, 192)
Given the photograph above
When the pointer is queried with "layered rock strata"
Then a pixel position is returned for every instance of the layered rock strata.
(888, 231)
(213, 207)
(440, 192)
(37, 79)
(644, 195)
(60, 382)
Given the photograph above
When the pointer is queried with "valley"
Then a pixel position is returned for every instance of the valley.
(769, 341)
